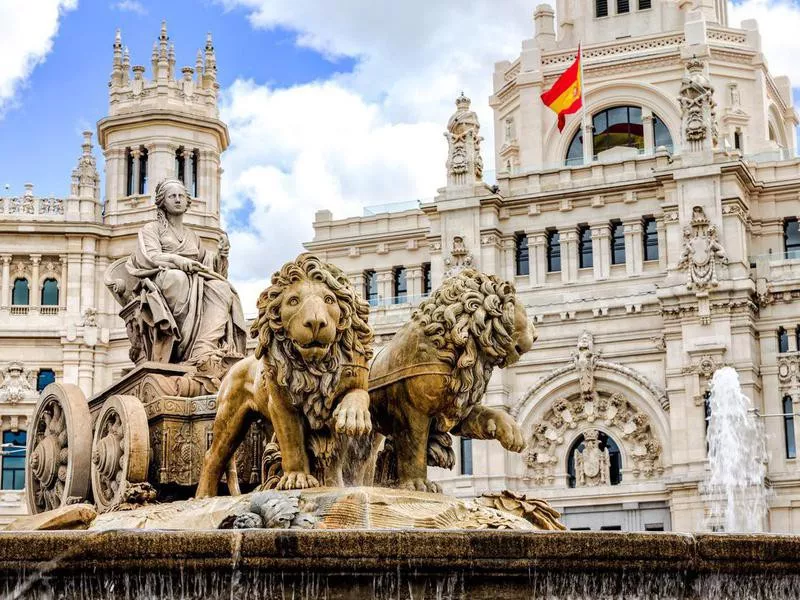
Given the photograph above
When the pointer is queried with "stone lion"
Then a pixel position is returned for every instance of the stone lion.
(429, 380)
(308, 377)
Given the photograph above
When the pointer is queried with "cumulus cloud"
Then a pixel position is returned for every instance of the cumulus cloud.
(27, 30)
(130, 6)
(370, 136)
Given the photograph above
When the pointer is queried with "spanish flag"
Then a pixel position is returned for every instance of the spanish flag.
(566, 95)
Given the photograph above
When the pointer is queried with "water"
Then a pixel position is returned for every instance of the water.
(736, 457)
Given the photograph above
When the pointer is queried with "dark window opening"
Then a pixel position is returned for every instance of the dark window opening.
(50, 292)
(737, 139)
(611, 528)
(623, 6)
(618, 126)
(399, 285)
(585, 247)
(521, 259)
(788, 427)
(650, 239)
(44, 378)
(426, 279)
(661, 135)
(195, 160)
(614, 456)
(783, 340)
(21, 293)
(371, 287)
(601, 8)
(128, 172)
(575, 150)
(553, 252)
(617, 243)
(654, 527)
(143, 171)
(707, 413)
(466, 456)
(14, 460)
(791, 237)
(644, 4)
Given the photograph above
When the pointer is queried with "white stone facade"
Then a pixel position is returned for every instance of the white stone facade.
(698, 207)
(154, 125)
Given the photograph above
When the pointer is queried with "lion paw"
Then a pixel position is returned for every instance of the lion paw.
(420, 485)
(297, 480)
(506, 431)
(352, 417)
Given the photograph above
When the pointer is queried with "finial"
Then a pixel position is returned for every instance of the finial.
(209, 41)
(164, 31)
(87, 141)
(118, 39)
(462, 102)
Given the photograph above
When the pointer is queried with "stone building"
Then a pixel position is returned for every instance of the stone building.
(653, 241)
(57, 319)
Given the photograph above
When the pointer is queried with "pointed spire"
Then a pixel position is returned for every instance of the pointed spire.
(116, 70)
(154, 61)
(126, 66)
(198, 67)
(163, 38)
(171, 61)
(210, 71)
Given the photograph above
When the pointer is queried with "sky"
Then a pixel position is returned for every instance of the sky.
(331, 104)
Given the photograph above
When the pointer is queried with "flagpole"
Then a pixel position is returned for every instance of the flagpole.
(583, 83)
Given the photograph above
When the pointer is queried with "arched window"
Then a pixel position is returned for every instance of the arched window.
(661, 136)
(614, 456)
(44, 378)
(21, 295)
(50, 292)
(575, 150)
(788, 427)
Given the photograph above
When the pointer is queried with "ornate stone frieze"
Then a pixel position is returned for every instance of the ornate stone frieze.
(620, 418)
(698, 109)
(702, 252)
(789, 370)
(18, 384)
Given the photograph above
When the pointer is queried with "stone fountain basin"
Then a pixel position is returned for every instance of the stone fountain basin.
(398, 564)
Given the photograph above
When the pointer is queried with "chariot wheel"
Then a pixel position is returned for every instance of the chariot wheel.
(120, 449)
(59, 449)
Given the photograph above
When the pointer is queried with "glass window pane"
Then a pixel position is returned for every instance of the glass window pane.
(585, 248)
(522, 256)
(466, 456)
(21, 294)
(617, 243)
(50, 292)
(400, 286)
(601, 7)
(788, 426)
(650, 239)
(661, 136)
(783, 340)
(44, 378)
(791, 238)
(553, 252)
(575, 151)
(371, 287)
(623, 6)
(426, 278)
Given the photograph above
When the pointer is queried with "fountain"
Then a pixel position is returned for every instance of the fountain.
(736, 458)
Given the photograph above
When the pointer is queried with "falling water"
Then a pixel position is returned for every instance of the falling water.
(736, 457)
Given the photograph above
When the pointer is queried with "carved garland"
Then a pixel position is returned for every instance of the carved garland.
(615, 414)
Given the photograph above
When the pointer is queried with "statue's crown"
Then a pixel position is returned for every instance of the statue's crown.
(462, 102)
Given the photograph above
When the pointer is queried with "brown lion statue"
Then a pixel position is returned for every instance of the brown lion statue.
(307, 379)
(429, 380)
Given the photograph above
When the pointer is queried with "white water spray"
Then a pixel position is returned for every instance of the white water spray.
(736, 457)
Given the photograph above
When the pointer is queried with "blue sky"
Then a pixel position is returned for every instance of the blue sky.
(331, 104)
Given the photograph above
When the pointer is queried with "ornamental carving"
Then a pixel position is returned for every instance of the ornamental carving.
(698, 109)
(592, 465)
(584, 360)
(789, 370)
(561, 424)
(18, 384)
(705, 366)
(702, 252)
(464, 162)
(460, 258)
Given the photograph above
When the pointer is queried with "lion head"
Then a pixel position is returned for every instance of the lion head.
(310, 324)
(476, 323)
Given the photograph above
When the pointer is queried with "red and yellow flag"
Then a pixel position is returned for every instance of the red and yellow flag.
(566, 95)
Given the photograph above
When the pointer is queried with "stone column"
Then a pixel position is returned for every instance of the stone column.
(188, 161)
(537, 255)
(385, 291)
(62, 283)
(509, 254)
(601, 249)
(87, 273)
(569, 254)
(35, 287)
(73, 287)
(357, 279)
(6, 283)
(588, 140)
(135, 154)
(661, 231)
(414, 283)
(649, 138)
(633, 246)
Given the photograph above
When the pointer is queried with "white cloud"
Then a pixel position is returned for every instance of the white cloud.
(27, 30)
(130, 6)
(368, 137)
(778, 24)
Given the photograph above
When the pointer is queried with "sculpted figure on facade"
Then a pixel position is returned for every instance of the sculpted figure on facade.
(186, 310)
(592, 465)
(460, 258)
(698, 109)
(585, 360)
(18, 384)
(307, 379)
(464, 162)
(702, 252)
(429, 380)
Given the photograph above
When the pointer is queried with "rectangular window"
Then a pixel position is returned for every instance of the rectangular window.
(791, 238)
(371, 287)
(623, 6)
(788, 427)
(644, 4)
(783, 340)
(611, 528)
(654, 527)
(128, 172)
(601, 8)
(426, 279)
(466, 456)
(399, 286)
(13, 460)
(521, 251)
(650, 239)
(143, 171)
(617, 243)
(737, 139)
(584, 247)
(553, 252)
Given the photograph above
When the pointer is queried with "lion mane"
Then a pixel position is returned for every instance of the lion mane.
(470, 321)
(311, 386)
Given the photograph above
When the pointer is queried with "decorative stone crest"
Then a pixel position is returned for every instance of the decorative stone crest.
(698, 109)
(623, 421)
(460, 258)
(19, 384)
(464, 162)
(592, 465)
(702, 252)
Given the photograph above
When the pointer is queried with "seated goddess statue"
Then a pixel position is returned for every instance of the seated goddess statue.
(183, 308)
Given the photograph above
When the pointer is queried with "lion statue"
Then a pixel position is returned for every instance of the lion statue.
(307, 379)
(429, 380)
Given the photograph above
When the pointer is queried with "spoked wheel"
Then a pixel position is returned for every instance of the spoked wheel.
(58, 449)
(120, 449)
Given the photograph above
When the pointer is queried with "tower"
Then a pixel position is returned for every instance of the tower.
(162, 127)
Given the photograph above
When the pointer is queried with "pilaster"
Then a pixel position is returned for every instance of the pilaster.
(35, 284)
(601, 249)
(537, 244)
(569, 254)
(6, 283)
(633, 246)
(414, 282)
